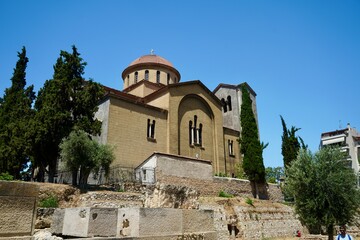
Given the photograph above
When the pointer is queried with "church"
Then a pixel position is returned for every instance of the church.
(157, 113)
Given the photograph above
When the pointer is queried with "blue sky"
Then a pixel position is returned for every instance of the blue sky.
(301, 57)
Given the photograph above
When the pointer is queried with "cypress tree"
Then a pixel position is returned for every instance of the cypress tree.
(250, 144)
(15, 115)
(65, 102)
(291, 143)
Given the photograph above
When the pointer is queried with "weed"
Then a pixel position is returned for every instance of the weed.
(49, 202)
(226, 195)
(249, 201)
(6, 176)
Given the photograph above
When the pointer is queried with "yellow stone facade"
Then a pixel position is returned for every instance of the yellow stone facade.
(172, 117)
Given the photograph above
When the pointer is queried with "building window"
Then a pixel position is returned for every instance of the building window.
(146, 74)
(199, 134)
(229, 103)
(223, 102)
(195, 132)
(151, 129)
(226, 104)
(158, 76)
(144, 174)
(136, 77)
(191, 136)
(168, 78)
(231, 147)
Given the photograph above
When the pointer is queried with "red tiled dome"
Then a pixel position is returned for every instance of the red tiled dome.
(152, 58)
(151, 61)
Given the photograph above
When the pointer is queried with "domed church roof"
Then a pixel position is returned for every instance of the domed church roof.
(151, 58)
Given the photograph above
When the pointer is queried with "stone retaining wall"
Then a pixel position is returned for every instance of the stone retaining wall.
(237, 220)
(234, 186)
(17, 209)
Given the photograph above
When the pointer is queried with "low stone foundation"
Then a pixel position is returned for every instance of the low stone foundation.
(134, 223)
(18, 209)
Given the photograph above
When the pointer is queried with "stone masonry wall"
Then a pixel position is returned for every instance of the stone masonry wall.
(17, 209)
(235, 219)
(236, 187)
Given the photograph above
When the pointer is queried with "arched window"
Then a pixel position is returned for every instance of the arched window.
(150, 129)
(194, 129)
(199, 132)
(146, 74)
(231, 147)
(229, 103)
(223, 102)
(191, 136)
(152, 135)
(195, 133)
(136, 77)
(168, 78)
(158, 76)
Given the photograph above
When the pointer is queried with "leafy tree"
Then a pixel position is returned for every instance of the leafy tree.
(80, 152)
(64, 103)
(15, 114)
(324, 188)
(250, 144)
(274, 174)
(290, 143)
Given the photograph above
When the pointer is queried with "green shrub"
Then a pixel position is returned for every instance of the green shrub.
(49, 202)
(6, 176)
(220, 174)
(224, 194)
(249, 201)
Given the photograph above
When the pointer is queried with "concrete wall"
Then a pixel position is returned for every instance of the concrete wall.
(188, 168)
(17, 209)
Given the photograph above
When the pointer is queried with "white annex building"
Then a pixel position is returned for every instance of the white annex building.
(349, 141)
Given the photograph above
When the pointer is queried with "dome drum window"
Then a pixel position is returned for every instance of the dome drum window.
(158, 77)
(136, 77)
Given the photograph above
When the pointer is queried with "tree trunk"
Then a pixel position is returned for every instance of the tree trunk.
(330, 231)
(74, 177)
(254, 189)
(84, 174)
(52, 168)
(38, 174)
